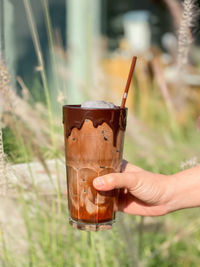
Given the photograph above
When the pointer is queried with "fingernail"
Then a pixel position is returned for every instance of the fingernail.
(99, 182)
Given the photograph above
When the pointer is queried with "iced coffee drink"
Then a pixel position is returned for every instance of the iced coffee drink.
(93, 147)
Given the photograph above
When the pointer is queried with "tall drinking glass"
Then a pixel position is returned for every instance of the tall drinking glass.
(93, 147)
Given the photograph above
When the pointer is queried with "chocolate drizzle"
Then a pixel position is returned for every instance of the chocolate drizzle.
(74, 116)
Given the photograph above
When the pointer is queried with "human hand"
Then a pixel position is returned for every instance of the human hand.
(141, 192)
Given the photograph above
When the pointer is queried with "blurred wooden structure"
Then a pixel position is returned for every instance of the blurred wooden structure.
(116, 71)
(155, 86)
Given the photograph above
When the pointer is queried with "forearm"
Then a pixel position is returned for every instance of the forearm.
(184, 189)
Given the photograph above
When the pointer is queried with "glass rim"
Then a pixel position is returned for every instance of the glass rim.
(95, 109)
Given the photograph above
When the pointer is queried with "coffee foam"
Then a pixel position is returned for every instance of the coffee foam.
(98, 104)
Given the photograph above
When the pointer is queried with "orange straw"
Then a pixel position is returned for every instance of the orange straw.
(128, 82)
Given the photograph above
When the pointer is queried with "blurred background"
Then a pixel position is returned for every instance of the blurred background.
(65, 52)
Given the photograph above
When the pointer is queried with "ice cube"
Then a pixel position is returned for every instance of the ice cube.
(98, 104)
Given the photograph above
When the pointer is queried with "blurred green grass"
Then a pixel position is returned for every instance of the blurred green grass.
(171, 240)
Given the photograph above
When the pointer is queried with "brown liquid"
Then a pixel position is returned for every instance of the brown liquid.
(94, 148)
(75, 117)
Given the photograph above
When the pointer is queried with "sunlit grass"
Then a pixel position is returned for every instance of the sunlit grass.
(51, 241)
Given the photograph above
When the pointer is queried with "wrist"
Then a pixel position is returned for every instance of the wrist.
(183, 190)
(169, 197)
(173, 194)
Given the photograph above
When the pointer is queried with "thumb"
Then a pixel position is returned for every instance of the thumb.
(115, 180)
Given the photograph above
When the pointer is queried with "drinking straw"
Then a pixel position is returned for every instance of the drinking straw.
(134, 59)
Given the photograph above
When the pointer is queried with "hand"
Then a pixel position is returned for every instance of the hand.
(141, 192)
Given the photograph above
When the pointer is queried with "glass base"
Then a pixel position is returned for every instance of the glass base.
(91, 226)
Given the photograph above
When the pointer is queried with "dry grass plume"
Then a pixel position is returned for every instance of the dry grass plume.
(4, 86)
(185, 37)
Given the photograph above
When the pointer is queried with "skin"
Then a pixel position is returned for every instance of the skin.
(151, 194)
